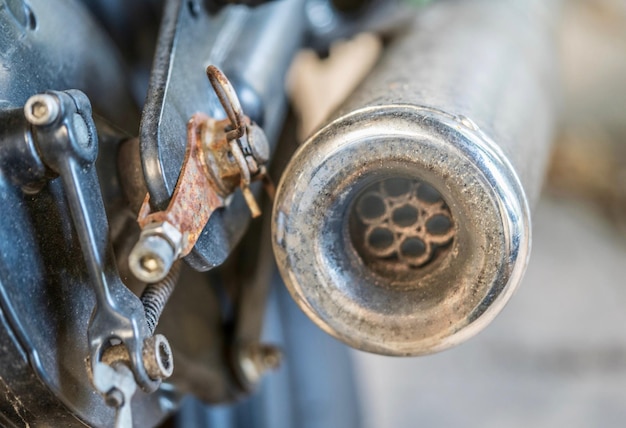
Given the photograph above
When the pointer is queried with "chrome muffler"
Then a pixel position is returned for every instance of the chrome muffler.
(402, 227)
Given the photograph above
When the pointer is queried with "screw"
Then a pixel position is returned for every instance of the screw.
(156, 251)
(151, 258)
(114, 398)
(155, 296)
(258, 143)
(271, 357)
(42, 109)
(158, 357)
(256, 360)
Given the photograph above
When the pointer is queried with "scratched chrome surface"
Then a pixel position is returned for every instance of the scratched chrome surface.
(465, 103)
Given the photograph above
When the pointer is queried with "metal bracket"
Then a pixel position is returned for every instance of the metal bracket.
(221, 156)
(242, 42)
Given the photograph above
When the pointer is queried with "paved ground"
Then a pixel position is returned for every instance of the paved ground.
(555, 357)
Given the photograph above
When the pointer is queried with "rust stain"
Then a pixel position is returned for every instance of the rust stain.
(195, 197)
(219, 158)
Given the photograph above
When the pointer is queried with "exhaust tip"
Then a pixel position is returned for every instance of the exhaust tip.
(401, 230)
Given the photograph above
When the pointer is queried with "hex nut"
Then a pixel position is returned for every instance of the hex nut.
(166, 230)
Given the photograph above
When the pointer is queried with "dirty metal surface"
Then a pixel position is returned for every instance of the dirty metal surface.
(454, 104)
(44, 330)
(195, 197)
(241, 41)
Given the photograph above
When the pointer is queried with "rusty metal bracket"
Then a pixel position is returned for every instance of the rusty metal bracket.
(221, 156)
(196, 195)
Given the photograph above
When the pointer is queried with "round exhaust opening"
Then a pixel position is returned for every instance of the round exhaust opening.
(399, 226)
(399, 231)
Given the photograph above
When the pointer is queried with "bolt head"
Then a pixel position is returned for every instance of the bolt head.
(156, 251)
(42, 109)
(114, 398)
(270, 357)
(256, 360)
(151, 258)
(259, 145)
(158, 357)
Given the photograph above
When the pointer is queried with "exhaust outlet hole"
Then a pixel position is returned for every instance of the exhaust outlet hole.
(397, 187)
(427, 193)
(413, 247)
(399, 225)
(438, 224)
(381, 239)
(371, 207)
(404, 216)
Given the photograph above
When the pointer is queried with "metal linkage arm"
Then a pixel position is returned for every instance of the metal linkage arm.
(65, 137)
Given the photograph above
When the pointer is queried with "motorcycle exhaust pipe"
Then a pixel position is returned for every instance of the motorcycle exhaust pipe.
(402, 227)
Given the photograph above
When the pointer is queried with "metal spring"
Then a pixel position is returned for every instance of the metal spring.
(156, 295)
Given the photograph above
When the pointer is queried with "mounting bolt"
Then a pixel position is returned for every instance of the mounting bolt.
(114, 398)
(259, 145)
(255, 147)
(42, 109)
(256, 360)
(156, 251)
(158, 357)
